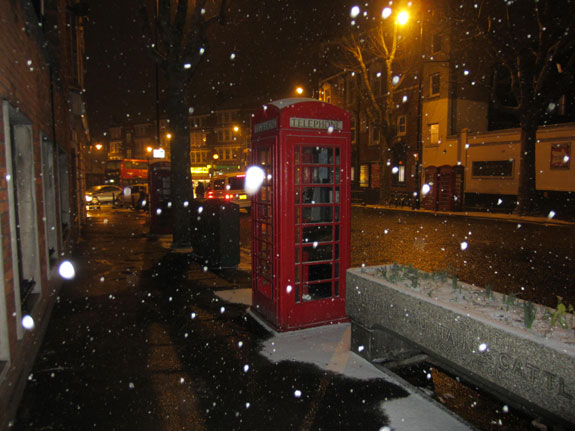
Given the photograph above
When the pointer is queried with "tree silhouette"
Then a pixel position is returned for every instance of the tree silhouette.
(363, 53)
(178, 41)
(534, 42)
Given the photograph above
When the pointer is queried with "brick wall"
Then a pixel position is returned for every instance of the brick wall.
(35, 69)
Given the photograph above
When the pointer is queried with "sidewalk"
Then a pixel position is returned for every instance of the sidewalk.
(147, 339)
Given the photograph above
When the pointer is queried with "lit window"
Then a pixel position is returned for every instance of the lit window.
(434, 134)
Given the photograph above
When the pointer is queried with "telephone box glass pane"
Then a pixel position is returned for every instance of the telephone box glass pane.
(317, 234)
(317, 214)
(317, 156)
(317, 195)
(317, 291)
(316, 175)
(316, 253)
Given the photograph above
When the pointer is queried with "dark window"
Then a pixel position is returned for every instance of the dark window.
(436, 44)
(495, 168)
(236, 183)
(435, 81)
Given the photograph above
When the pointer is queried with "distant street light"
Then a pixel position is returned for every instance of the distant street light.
(299, 90)
(99, 146)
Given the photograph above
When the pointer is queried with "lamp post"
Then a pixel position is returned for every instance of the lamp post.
(419, 144)
(388, 53)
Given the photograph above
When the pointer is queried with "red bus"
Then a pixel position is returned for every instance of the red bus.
(133, 171)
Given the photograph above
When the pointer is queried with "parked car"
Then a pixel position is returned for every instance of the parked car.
(135, 196)
(104, 194)
(230, 186)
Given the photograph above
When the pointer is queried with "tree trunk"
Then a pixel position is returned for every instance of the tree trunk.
(181, 178)
(526, 193)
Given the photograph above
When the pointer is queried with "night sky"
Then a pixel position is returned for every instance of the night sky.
(276, 45)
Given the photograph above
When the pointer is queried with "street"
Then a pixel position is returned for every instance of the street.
(533, 260)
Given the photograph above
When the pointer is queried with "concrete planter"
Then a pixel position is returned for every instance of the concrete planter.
(476, 334)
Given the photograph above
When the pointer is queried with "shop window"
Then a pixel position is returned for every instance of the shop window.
(492, 168)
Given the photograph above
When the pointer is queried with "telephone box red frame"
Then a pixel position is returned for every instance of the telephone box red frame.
(301, 214)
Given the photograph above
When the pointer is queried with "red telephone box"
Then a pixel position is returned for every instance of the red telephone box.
(159, 190)
(301, 214)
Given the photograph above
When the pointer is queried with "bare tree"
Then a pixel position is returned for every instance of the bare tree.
(363, 52)
(534, 41)
(177, 37)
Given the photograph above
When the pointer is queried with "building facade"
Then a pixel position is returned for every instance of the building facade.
(441, 121)
(219, 141)
(43, 135)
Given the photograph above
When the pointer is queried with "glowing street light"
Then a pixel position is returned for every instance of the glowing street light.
(402, 17)
(99, 146)
(149, 149)
(299, 90)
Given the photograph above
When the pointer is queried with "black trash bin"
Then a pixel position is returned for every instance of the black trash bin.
(216, 233)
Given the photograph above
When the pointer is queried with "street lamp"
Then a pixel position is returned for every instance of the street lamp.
(299, 90)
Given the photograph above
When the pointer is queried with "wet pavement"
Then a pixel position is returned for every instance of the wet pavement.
(147, 339)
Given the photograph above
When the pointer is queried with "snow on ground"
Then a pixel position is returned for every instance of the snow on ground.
(328, 347)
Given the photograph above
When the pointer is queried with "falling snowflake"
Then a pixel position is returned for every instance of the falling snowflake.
(28, 322)
(425, 189)
(66, 270)
(254, 179)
